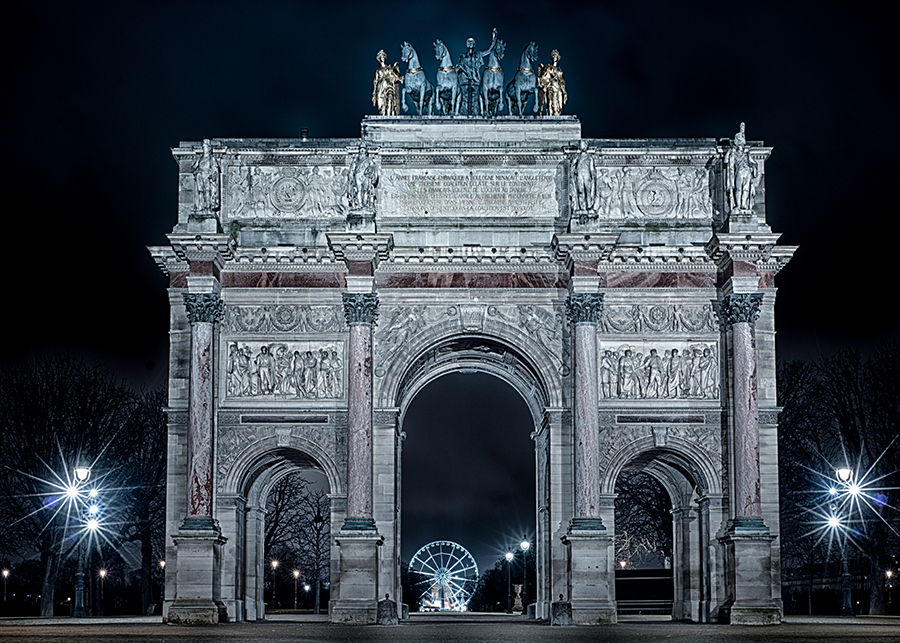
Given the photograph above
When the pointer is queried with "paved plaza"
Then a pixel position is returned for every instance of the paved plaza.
(438, 628)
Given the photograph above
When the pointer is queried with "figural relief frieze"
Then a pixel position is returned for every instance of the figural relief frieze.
(284, 318)
(654, 193)
(659, 370)
(269, 192)
(642, 318)
(298, 370)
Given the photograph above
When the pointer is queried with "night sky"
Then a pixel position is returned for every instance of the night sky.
(96, 93)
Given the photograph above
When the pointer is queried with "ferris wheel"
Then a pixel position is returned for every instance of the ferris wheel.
(450, 575)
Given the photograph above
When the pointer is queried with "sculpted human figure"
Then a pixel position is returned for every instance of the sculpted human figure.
(363, 179)
(551, 87)
(584, 179)
(386, 86)
(675, 375)
(740, 172)
(607, 366)
(471, 62)
(653, 367)
(265, 365)
(206, 180)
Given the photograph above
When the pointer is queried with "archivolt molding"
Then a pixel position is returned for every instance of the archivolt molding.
(697, 448)
(243, 452)
(412, 337)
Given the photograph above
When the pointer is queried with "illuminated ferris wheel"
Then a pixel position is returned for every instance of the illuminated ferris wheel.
(450, 575)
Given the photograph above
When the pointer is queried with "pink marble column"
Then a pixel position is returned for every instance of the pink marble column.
(361, 311)
(203, 310)
(741, 311)
(584, 310)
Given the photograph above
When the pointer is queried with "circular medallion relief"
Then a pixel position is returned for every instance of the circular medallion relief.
(655, 197)
(287, 194)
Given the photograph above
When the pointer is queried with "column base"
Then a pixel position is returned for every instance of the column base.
(590, 576)
(357, 602)
(748, 576)
(197, 578)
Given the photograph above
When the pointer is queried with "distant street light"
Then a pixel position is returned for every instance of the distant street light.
(102, 574)
(162, 587)
(296, 576)
(524, 545)
(509, 558)
(318, 525)
(6, 576)
(274, 567)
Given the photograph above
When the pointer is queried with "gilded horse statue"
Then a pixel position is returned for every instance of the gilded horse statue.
(523, 85)
(415, 84)
(492, 81)
(448, 97)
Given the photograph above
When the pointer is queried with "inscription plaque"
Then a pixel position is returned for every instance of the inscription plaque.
(517, 193)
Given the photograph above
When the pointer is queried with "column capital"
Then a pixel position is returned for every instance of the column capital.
(584, 307)
(203, 307)
(360, 308)
(741, 308)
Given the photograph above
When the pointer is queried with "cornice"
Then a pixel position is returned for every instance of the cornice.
(758, 247)
(203, 247)
(351, 246)
(476, 257)
(284, 258)
(168, 262)
(665, 258)
(583, 247)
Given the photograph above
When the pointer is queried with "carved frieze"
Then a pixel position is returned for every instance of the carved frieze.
(658, 318)
(654, 193)
(284, 318)
(300, 370)
(283, 192)
(659, 370)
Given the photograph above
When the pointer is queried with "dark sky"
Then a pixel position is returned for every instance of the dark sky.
(96, 93)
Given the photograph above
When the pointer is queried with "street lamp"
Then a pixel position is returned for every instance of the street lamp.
(82, 474)
(296, 573)
(524, 545)
(6, 576)
(845, 476)
(305, 594)
(102, 574)
(274, 567)
(509, 558)
(162, 587)
(318, 525)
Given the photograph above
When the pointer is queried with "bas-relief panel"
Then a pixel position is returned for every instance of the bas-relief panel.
(454, 193)
(284, 318)
(615, 438)
(655, 193)
(658, 370)
(659, 318)
(284, 370)
(279, 193)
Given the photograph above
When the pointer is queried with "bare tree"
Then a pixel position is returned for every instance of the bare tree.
(643, 514)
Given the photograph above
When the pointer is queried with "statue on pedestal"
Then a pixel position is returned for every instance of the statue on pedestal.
(386, 87)
(583, 182)
(206, 180)
(363, 179)
(551, 87)
(740, 174)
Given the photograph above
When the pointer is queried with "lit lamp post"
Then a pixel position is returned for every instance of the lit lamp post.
(845, 476)
(274, 568)
(509, 559)
(296, 573)
(81, 476)
(162, 587)
(6, 576)
(306, 594)
(102, 574)
(524, 545)
(318, 525)
(889, 575)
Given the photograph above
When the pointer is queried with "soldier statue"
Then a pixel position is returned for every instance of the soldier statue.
(740, 173)
(206, 180)
(386, 87)
(363, 178)
(551, 87)
(583, 180)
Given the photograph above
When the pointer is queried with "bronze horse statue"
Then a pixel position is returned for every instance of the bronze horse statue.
(524, 84)
(415, 84)
(448, 96)
(492, 81)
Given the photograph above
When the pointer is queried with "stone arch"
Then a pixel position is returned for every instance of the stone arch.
(690, 478)
(241, 509)
(544, 352)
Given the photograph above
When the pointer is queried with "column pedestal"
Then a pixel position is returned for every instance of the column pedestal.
(197, 579)
(357, 603)
(590, 574)
(748, 579)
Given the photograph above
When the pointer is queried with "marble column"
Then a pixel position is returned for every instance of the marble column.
(361, 311)
(203, 310)
(584, 310)
(741, 312)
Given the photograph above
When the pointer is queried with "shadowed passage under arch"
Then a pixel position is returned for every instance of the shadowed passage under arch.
(468, 466)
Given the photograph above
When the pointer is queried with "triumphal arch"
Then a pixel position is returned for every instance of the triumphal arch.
(624, 287)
